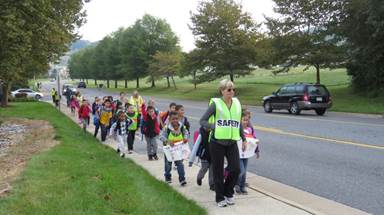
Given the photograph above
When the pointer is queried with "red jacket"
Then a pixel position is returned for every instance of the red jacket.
(84, 111)
(151, 124)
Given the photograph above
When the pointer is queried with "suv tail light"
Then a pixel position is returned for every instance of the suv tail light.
(306, 98)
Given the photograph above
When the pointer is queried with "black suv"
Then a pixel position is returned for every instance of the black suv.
(81, 85)
(297, 97)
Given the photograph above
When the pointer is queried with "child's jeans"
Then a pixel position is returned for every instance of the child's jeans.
(205, 167)
(122, 143)
(151, 145)
(131, 139)
(104, 131)
(243, 173)
(168, 168)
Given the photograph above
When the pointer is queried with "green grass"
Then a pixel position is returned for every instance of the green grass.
(252, 88)
(81, 176)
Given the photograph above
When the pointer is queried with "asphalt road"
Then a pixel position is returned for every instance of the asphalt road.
(338, 156)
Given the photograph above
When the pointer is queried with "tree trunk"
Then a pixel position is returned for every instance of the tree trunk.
(169, 84)
(137, 83)
(153, 82)
(173, 80)
(194, 79)
(4, 98)
(231, 77)
(86, 80)
(108, 83)
(317, 73)
(95, 82)
(126, 83)
(115, 83)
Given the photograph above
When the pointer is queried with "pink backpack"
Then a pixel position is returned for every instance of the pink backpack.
(195, 135)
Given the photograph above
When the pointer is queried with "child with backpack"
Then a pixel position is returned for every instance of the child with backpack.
(165, 115)
(183, 119)
(105, 117)
(134, 117)
(84, 112)
(249, 132)
(174, 133)
(120, 128)
(201, 150)
(151, 129)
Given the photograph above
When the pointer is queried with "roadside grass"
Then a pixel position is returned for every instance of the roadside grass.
(252, 88)
(81, 176)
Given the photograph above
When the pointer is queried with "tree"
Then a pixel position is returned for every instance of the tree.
(194, 63)
(306, 33)
(227, 37)
(140, 42)
(33, 34)
(365, 37)
(166, 64)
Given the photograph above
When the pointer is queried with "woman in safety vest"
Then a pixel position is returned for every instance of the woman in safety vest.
(223, 118)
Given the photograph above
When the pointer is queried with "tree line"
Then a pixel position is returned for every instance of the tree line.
(318, 33)
(33, 34)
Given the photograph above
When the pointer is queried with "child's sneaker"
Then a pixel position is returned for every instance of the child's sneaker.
(117, 150)
(183, 183)
(122, 155)
(238, 190)
(129, 151)
(230, 200)
(168, 180)
(199, 181)
(222, 204)
(155, 157)
(212, 187)
(150, 157)
(244, 192)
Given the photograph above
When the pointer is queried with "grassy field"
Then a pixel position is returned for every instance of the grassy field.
(252, 88)
(81, 176)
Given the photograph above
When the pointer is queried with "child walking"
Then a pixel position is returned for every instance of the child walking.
(105, 117)
(174, 133)
(120, 129)
(183, 119)
(249, 132)
(151, 130)
(134, 117)
(84, 112)
(201, 149)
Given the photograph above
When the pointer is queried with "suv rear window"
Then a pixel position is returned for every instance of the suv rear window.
(317, 90)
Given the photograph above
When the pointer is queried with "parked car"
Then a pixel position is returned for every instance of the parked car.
(28, 93)
(70, 86)
(81, 85)
(297, 97)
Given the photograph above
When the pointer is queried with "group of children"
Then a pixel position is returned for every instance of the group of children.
(201, 150)
(121, 118)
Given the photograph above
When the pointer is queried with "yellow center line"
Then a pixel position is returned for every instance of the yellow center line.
(278, 131)
(328, 120)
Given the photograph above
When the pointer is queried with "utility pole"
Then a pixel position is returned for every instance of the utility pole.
(58, 87)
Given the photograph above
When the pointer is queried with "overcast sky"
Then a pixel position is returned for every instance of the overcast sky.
(106, 16)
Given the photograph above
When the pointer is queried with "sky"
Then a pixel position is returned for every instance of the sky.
(106, 16)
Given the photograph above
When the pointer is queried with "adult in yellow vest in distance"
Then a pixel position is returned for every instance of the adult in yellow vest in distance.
(223, 119)
(137, 101)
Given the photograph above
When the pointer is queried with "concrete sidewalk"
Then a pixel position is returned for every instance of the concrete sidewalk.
(265, 196)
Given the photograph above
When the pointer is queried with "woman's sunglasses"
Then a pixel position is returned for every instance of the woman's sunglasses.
(231, 89)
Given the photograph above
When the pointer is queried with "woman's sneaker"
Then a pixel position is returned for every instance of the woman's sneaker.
(222, 204)
(230, 200)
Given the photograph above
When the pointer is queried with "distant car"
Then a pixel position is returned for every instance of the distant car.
(70, 86)
(28, 93)
(297, 97)
(52, 80)
(81, 85)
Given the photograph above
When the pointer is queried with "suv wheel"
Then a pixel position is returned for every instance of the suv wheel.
(267, 107)
(294, 108)
(37, 97)
(320, 111)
